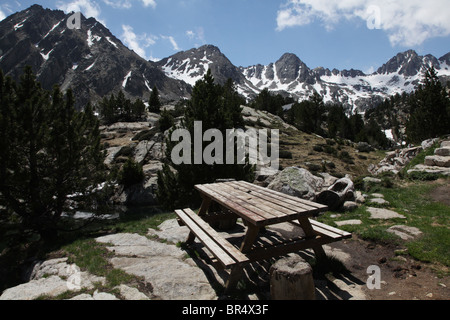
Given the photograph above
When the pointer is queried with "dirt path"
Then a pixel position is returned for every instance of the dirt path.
(402, 278)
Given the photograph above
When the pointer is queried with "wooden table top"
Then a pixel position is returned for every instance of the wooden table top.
(257, 205)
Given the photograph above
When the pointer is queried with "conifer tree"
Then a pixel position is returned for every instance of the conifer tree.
(429, 109)
(154, 104)
(49, 152)
(216, 107)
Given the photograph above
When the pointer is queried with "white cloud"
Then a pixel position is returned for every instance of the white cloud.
(135, 42)
(190, 34)
(88, 7)
(151, 3)
(172, 41)
(2, 15)
(406, 22)
(198, 36)
(127, 4)
(119, 4)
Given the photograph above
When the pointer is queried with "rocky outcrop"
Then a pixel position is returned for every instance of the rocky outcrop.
(297, 182)
(438, 164)
(51, 278)
(395, 160)
(164, 266)
(90, 60)
(141, 142)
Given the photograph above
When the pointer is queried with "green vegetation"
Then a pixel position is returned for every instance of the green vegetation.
(131, 173)
(414, 202)
(217, 107)
(49, 153)
(425, 113)
(114, 109)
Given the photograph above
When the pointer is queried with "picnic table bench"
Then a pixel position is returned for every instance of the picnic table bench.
(258, 208)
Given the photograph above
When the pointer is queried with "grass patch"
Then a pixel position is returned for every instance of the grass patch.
(414, 202)
(138, 223)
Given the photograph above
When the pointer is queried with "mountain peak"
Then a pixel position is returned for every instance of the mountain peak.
(90, 60)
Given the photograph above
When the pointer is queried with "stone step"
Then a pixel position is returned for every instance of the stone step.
(430, 169)
(444, 152)
(437, 161)
(445, 144)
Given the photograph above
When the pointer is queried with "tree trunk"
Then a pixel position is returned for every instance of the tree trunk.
(291, 279)
(341, 191)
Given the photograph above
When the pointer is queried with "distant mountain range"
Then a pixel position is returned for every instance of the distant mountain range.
(94, 63)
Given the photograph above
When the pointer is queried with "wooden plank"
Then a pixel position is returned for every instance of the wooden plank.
(271, 207)
(241, 211)
(326, 230)
(300, 202)
(223, 243)
(257, 206)
(215, 249)
(297, 204)
(279, 195)
(263, 253)
(342, 234)
(282, 202)
(246, 211)
(287, 199)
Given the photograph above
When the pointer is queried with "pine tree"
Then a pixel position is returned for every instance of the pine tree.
(216, 107)
(429, 109)
(49, 151)
(154, 104)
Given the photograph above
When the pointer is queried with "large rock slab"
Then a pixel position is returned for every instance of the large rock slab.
(430, 169)
(384, 214)
(51, 278)
(50, 286)
(170, 231)
(445, 152)
(405, 232)
(172, 275)
(438, 161)
(297, 182)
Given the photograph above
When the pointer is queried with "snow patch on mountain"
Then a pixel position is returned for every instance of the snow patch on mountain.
(125, 80)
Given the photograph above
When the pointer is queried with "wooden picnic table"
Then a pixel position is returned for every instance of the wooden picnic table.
(258, 208)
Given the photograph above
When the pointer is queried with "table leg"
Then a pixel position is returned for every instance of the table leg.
(250, 237)
(205, 206)
(234, 277)
(310, 233)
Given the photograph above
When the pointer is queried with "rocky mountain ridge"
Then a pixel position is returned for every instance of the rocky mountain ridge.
(291, 76)
(94, 63)
(90, 60)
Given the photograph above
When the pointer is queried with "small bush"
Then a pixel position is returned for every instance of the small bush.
(126, 151)
(387, 182)
(144, 135)
(423, 176)
(131, 173)
(330, 165)
(284, 154)
(314, 167)
(318, 148)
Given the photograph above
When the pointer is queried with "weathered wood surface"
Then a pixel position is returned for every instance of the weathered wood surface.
(257, 205)
(224, 251)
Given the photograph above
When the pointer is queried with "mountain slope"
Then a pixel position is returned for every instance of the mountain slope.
(352, 88)
(91, 60)
(190, 66)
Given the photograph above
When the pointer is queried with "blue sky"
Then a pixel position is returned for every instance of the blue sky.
(342, 34)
